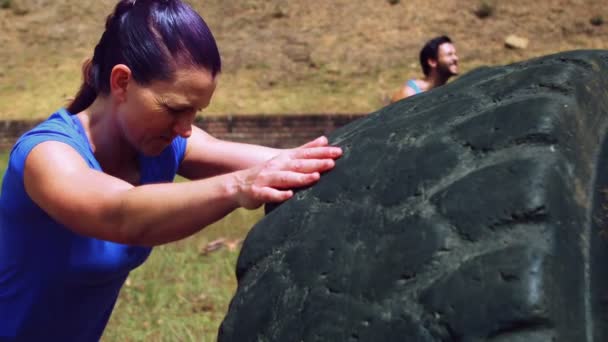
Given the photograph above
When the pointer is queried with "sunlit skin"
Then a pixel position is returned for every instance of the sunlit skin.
(441, 69)
(136, 119)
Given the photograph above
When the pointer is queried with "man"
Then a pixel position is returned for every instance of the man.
(439, 62)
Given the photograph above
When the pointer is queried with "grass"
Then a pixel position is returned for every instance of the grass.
(3, 162)
(485, 9)
(180, 293)
(47, 82)
(597, 20)
(40, 89)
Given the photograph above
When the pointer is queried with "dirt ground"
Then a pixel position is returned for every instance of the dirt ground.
(295, 56)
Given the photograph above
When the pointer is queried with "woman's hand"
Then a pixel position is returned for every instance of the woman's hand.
(273, 180)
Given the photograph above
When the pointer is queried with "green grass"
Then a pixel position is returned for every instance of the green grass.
(40, 89)
(180, 293)
(37, 94)
(3, 161)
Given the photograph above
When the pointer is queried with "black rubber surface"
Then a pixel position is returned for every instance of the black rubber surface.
(473, 212)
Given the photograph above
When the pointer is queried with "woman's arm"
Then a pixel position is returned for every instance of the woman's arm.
(207, 156)
(97, 205)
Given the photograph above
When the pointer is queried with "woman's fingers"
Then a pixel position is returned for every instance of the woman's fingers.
(252, 195)
(268, 194)
(300, 167)
(318, 142)
(310, 165)
(287, 179)
(325, 152)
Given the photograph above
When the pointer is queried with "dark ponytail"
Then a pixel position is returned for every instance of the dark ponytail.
(152, 38)
(87, 92)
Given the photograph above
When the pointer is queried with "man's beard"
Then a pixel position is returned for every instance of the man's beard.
(445, 72)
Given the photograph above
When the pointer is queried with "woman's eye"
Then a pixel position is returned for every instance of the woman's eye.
(177, 111)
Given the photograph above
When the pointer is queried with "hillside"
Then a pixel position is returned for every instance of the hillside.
(293, 56)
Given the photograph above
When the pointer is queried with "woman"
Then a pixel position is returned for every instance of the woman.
(87, 193)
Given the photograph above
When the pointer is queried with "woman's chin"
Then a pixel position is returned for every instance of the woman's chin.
(155, 148)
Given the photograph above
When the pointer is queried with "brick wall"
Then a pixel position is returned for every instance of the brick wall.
(10, 130)
(270, 130)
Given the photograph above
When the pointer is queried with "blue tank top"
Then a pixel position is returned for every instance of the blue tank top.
(412, 84)
(56, 285)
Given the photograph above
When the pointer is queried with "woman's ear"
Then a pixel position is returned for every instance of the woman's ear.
(119, 81)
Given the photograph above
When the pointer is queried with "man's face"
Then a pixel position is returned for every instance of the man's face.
(447, 60)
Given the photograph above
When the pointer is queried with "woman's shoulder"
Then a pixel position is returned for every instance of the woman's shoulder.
(59, 126)
(59, 123)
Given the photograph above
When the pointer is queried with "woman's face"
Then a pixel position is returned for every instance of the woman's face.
(153, 115)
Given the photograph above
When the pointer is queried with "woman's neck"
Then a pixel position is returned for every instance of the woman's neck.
(108, 144)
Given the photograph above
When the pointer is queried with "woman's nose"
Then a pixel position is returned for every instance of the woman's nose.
(183, 127)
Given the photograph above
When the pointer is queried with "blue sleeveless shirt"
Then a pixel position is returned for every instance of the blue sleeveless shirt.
(56, 285)
(412, 84)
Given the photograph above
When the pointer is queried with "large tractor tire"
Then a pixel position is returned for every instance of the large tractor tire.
(473, 212)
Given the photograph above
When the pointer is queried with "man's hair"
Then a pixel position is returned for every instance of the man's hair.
(431, 50)
(153, 38)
